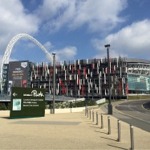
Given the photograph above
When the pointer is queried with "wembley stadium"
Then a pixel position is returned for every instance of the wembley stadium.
(80, 78)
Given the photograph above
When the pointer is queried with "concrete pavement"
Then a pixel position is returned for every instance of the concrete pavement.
(67, 131)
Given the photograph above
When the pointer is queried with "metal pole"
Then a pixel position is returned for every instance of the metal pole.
(54, 82)
(102, 125)
(119, 131)
(109, 127)
(93, 115)
(109, 104)
(131, 137)
(90, 114)
(96, 118)
(87, 113)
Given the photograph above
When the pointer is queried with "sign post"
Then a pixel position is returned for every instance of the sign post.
(27, 102)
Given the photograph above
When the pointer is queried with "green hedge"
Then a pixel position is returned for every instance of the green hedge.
(138, 96)
(67, 104)
(3, 106)
(84, 103)
(6, 106)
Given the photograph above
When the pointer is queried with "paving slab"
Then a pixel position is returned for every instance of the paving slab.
(66, 131)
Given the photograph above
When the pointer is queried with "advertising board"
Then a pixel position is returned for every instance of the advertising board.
(18, 73)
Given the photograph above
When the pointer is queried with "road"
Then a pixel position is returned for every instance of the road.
(133, 113)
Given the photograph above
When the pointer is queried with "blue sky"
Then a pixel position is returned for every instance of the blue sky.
(76, 29)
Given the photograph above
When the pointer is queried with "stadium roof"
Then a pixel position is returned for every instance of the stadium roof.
(135, 60)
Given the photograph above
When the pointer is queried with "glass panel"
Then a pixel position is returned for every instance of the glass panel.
(138, 82)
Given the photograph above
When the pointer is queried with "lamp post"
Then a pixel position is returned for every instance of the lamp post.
(110, 109)
(54, 82)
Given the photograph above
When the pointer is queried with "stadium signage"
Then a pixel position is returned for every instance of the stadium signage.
(34, 93)
(27, 102)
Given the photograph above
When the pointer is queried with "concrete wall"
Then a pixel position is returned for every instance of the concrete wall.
(66, 110)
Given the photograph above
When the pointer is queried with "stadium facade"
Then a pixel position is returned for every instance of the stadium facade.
(81, 78)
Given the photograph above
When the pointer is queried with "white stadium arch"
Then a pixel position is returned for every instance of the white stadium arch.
(6, 56)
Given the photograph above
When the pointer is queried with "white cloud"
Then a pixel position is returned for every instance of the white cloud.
(131, 41)
(13, 20)
(54, 14)
(67, 53)
(48, 45)
(98, 15)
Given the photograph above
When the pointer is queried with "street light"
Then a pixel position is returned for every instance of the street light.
(53, 82)
(110, 109)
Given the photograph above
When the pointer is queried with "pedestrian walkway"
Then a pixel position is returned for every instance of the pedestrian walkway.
(67, 131)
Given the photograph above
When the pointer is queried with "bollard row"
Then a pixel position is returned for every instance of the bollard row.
(90, 114)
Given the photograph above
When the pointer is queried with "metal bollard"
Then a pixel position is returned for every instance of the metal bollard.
(131, 137)
(87, 113)
(93, 116)
(90, 114)
(96, 118)
(109, 127)
(119, 131)
(102, 124)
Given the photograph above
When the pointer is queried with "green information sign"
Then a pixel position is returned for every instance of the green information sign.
(27, 102)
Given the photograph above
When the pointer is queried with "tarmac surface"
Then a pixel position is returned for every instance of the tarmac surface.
(68, 131)
(135, 112)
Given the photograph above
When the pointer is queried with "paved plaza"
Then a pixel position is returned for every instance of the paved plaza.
(67, 131)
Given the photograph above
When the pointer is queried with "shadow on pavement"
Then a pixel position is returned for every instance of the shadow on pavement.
(5, 117)
(117, 147)
(101, 132)
(108, 138)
